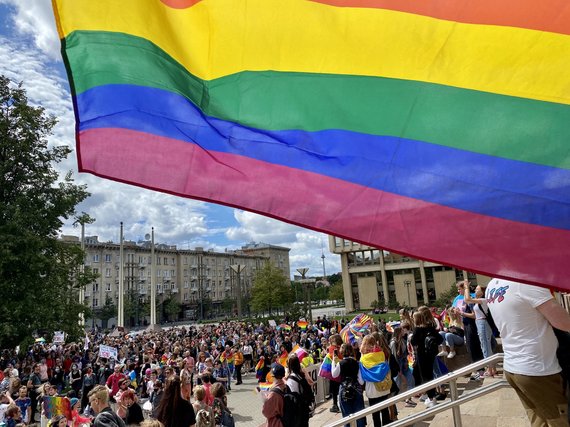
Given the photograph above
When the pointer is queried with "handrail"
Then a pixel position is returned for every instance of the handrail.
(456, 400)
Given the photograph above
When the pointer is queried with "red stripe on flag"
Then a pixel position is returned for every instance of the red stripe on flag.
(548, 15)
(493, 246)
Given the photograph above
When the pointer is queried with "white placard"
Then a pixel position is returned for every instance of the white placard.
(272, 323)
(108, 352)
(58, 337)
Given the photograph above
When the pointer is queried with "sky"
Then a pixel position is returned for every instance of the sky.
(30, 53)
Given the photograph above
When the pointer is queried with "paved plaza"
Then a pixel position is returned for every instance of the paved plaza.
(498, 409)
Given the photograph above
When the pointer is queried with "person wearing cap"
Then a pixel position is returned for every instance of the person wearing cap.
(76, 418)
(273, 405)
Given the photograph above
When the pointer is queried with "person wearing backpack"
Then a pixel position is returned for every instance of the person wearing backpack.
(273, 406)
(426, 341)
(298, 383)
(350, 392)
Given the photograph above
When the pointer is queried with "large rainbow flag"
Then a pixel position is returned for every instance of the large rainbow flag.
(433, 128)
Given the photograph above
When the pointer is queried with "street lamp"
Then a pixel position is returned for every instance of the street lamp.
(407, 284)
(238, 268)
(307, 283)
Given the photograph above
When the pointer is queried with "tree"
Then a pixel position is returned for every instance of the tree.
(106, 312)
(336, 292)
(171, 308)
(271, 289)
(39, 274)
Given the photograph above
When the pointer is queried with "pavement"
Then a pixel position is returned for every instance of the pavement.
(498, 409)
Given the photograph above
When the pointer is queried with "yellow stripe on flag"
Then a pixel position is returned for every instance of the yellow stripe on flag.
(216, 38)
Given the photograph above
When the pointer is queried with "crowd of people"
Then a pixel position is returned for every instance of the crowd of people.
(182, 376)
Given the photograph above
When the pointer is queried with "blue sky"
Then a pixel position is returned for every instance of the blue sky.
(30, 52)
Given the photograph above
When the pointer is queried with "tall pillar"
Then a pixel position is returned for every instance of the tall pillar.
(121, 301)
(152, 282)
(424, 282)
(384, 279)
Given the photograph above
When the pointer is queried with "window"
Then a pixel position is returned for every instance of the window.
(157, 260)
(95, 302)
(108, 257)
(95, 287)
(172, 261)
(185, 296)
(95, 271)
(108, 287)
(107, 272)
(186, 284)
(165, 261)
(172, 273)
(96, 258)
(185, 260)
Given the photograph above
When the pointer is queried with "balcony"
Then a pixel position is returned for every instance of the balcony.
(87, 294)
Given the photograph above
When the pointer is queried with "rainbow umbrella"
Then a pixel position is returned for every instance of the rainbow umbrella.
(302, 324)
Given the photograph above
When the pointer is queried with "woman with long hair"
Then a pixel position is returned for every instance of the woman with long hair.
(483, 327)
(296, 380)
(425, 354)
(173, 410)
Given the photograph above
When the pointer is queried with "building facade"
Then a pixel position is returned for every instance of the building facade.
(277, 255)
(202, 282)
(370, 274)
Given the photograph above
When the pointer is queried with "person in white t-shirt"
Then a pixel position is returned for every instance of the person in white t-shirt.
(525, 315)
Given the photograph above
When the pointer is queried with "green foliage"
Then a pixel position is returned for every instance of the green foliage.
(171, 308)
(393, 304)
(106, 312)
(39, 274)
(335, 278)
(271, 289)
(336, 292)
(375, 304)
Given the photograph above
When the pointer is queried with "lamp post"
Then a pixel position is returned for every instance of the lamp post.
(407, 284)
(238, 268)
(307, 283)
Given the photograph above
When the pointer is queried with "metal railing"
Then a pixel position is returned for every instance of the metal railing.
(454, 404)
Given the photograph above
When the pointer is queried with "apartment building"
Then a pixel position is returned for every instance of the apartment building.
(189, 276)
(371, 274)
(277, 255)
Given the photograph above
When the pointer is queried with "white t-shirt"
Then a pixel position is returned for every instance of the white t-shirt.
(528, 340)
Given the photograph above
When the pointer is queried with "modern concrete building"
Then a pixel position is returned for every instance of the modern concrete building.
(203, 282)
(370, 274)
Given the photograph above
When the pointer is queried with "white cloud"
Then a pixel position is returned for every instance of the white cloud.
(34, 18)
(307, 246)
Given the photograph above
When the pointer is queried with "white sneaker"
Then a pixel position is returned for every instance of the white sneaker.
(424, 398)
(442, 353)
(430, 403)
(451, 355)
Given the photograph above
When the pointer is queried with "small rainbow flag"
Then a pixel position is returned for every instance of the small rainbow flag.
(259, 367)
(326, 368)
(283, 358)
(56, 405)
(284, 326)
(302, 324)
(261, 387)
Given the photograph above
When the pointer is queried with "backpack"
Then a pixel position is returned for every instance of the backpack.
(350, 390)
(292, 406)
(205, 418)
(431, 344)
(307, 395)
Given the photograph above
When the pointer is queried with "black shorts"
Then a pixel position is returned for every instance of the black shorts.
(248, 357)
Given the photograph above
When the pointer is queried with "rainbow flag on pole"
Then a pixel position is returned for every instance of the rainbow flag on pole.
(433, 128)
